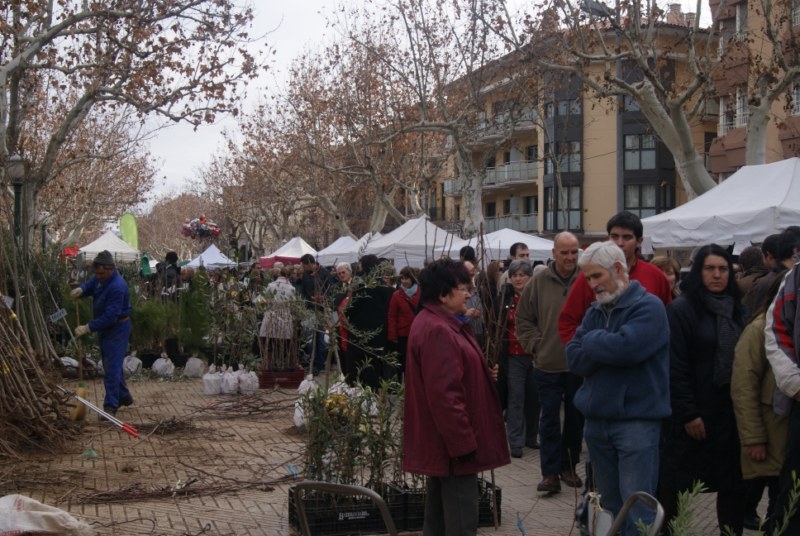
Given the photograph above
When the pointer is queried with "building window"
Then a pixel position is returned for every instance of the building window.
(629, 104)
(491, 209)
(506, 206)
(491, 162)
(565, 159)
(796, 100)
(558, 205)
(507, 157)
(640, 151)
(531, 204)
(532, 153)
(727, 117)
(641, 199)
(569, 107)
(795, 12)
(741, 21)
(742, 108)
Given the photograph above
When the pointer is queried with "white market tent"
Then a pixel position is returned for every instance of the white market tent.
(411, 244)
(121, 250)
(212, 259)
(291, 251)
(335, 251)
(499, 243)
(751, 204)
(346, 253)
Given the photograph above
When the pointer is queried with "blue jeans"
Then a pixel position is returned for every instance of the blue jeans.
(560, 446)
(624, 458)
(522, 415)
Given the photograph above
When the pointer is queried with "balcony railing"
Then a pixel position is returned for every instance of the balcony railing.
(796, 16)
(486, 129)
(517, 222)
(742, 119)
(450, 187)
(724, 127)
(796, 107)
(511, 172)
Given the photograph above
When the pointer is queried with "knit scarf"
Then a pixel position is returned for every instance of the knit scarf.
(410, 291)
(728, 331)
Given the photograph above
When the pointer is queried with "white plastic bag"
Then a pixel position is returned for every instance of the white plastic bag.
(212, 383)
(306, 385)
(131, 365)
(163, 366)
(23, 515)
(248, 383)
(230, 383)
(194, 367)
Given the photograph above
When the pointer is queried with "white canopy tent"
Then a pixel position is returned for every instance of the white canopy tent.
(411, 244)
(751, 204)
(335, 251)
(121, 250)
(498, 244)
(291, 251)
(347, 252)
(212, 259)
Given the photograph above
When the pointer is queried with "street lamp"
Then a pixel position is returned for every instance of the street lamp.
(15, 170)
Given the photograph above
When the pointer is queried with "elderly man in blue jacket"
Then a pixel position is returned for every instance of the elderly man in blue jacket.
(621, 350)
(111, 321)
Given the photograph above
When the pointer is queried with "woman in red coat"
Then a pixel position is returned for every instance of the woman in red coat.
(453, 425)
(402, 310)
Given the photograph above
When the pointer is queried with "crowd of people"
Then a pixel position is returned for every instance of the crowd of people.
(669, 374)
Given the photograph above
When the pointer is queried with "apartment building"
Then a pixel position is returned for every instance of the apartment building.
(743, 51)
(571, 161)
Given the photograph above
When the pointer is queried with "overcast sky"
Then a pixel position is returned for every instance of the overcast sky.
(294, 26)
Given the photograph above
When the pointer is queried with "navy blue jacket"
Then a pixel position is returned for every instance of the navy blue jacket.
(111, 301)
(623, 355)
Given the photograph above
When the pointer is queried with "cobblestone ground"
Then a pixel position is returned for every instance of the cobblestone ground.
(224, 453)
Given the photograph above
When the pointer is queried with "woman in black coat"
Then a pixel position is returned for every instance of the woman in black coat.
(702, 442)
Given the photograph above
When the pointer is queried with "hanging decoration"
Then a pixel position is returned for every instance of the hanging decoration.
(200, 228)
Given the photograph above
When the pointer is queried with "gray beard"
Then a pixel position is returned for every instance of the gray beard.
(607, 298)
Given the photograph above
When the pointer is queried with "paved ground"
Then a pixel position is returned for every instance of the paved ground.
(233, 457)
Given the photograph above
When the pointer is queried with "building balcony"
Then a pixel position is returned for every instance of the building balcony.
(500, 126)
(724, 127)
(519, 222)
(511, 173)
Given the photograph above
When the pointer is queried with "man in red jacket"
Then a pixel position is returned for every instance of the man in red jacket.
(624, 229)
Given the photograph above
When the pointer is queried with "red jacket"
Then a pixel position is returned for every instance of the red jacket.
(581, 296)
(451, 404)
(402, 311)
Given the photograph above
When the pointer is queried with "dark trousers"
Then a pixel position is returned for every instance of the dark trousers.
(113, 345)
(560, 445)
(791, 464)
(451, 506)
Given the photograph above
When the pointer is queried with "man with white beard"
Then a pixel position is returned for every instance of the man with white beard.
(621, 349)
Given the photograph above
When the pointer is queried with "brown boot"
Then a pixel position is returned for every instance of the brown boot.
(571, 479)
(549, 484)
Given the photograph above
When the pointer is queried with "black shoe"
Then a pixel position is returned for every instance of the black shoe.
(516, 453)
(127, 401)
(532, 444)
(752, 521)
(110, 410)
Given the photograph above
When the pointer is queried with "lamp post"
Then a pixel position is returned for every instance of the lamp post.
(15, 170)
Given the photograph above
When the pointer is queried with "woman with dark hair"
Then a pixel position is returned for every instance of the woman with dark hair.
(516, 365)
(402, 310)
(705, 324)
(453, 426)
